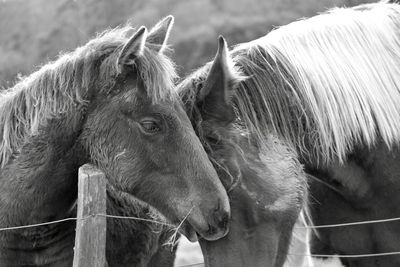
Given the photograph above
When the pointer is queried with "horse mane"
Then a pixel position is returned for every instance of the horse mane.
(325, 83)
(66, 84)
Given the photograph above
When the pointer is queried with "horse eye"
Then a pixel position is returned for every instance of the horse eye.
(150, 126)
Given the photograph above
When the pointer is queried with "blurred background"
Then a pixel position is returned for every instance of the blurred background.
(33, 32)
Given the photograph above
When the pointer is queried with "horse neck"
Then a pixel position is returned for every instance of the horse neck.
(255, 237)
(39, 186)
(39, 183)
(127, 248)
(247, 229)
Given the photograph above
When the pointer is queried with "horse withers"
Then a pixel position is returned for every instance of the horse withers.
(266, 183)
(110, 102)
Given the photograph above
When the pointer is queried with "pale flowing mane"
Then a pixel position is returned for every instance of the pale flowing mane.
(326, 83)
(66, 84)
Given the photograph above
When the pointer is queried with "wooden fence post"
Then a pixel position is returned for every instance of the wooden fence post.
(90, 238)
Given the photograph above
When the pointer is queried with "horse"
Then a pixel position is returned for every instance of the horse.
(132, 242)
(327, 86)
(266, 183)
(111, 103)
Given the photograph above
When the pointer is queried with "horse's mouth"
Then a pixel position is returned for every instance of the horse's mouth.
(188, 231)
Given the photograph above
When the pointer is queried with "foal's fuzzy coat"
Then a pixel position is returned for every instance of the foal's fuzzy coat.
(110, 103)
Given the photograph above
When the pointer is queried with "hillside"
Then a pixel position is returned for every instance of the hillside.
(36, 31)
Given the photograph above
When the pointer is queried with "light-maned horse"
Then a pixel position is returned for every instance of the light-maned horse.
(329, 87)
(266, 183)
(112, 103)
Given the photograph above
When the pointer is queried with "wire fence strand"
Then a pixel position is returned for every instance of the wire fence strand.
(192, 264)
(347, 224)
(85, 218)
(324, 256)
(171, 225)
(202, 263)
(135, 218)
(42, 224)
(347, 256)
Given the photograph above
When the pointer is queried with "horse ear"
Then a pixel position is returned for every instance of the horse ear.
(160, 32)
(133, 48)
(215, 94)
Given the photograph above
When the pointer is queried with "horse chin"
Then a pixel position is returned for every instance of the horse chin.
(209, 233)
(189, 232)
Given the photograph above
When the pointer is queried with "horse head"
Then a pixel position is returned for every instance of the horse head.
(266, 184)
(137, 132)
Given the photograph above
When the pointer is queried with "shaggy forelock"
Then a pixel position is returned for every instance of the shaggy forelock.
(63, 85)
(188, 88)
(225, 137)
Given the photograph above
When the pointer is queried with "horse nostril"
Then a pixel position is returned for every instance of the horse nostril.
(218, 224)
(224, 220)
(221, 219)
(212, 230)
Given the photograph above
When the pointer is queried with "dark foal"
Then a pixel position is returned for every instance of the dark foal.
(266, 183)
(112, 103)
(133, 242)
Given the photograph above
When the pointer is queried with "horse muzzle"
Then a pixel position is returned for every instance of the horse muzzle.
(218, 225)
(212, 226)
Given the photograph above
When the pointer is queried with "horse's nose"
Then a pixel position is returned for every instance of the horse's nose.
(221, 218)
(219, 224)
